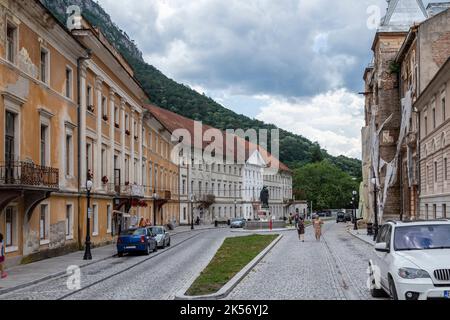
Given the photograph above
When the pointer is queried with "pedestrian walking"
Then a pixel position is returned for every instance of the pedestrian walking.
(301, 230)
(142, 223)
(317, 224)
(3, 274)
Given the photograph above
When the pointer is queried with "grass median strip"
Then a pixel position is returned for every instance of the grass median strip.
(234, 254)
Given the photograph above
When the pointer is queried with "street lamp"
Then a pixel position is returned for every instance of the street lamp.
(235, 204)
(192, 211)
(375, 208)
(87, 251)
(354, 210)
(155, 197)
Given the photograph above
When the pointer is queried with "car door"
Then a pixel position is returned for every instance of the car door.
(150, 239)
(381, 257)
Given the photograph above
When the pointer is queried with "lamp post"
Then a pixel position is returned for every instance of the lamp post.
(155, 197)
(87, 249)
(235, 204)
(192, 211)
(354, 210)
(375, 208)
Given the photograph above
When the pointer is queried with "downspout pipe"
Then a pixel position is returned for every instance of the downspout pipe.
(80, 61)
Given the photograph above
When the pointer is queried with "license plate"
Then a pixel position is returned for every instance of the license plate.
(447, 294)
(131, 247)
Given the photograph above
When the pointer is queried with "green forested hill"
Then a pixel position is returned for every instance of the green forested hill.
(295, 150)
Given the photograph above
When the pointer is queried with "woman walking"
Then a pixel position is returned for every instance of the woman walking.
(318, 227)
(3, 274)
(301, 230)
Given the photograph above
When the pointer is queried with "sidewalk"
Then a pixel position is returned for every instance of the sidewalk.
(362, 235)
(29, 274)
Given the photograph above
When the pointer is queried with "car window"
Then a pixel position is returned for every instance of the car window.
(422, 237)
(388, 236)
(133, 232)
(382, 234)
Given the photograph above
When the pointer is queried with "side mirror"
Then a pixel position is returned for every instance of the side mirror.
(381, 247)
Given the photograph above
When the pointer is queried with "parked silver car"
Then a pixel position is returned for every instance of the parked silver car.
(237, 223)
(162, 237)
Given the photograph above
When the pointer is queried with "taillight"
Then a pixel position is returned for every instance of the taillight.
(142, 239)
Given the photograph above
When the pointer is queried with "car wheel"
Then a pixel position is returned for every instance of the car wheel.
(392, 289)
(147, 250)
(120, 254)
(156, 248)
(168, 243)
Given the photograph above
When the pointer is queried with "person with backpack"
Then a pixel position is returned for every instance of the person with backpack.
(3, 274)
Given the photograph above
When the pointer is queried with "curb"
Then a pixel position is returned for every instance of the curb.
(230, 285)
(361, 239)
(62, 273)
(262, 230)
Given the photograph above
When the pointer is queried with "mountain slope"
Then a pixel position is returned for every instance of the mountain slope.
(295, 150)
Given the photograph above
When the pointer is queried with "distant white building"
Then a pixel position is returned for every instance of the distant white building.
(222, 191)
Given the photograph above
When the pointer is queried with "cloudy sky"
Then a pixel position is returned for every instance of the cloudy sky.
(294, 63)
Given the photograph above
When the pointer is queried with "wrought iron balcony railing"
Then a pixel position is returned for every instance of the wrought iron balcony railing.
(27, 174)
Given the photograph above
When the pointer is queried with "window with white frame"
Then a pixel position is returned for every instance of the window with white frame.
(69, 221)
(127, 122)
(89, 156)
(44, 223)
(108, 219)
(104, 163)
(89, 98)
(69, 153)
(44, 71)
(45, 147)
(11, 42)
(95, 220)
(11, 228)
(104, 107)
(69, 83)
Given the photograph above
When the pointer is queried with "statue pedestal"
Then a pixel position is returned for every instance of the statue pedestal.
(264, 214)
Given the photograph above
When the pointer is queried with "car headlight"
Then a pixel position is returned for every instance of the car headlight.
(411, 273)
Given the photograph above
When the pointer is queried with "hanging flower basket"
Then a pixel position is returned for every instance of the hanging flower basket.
(105, 180)
(116, 125)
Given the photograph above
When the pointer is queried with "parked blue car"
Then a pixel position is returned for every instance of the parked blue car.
(136, 240)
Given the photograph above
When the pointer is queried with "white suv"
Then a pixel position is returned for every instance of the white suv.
(412, 261)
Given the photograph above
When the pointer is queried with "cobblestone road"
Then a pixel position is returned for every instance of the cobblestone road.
(332, 269)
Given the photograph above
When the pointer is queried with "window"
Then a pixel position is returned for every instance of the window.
(11, 40)
(127, 123)
(44, 223)
(108, 219)
(103, 163)
(104, 107)
(44, 68)
(44, 145)
(95, 220)
(116, 116)
(150, 142)
(184, 186)
(11, 227)
(434, 211)
(69, 221)
(89, 97)
(434, 118)
(10, 133)
(444, 211)
(127, 170)
(426, 125)
(89, 157)
(443, 109)
(426, 212)
(184, 214)
(435, 172)
(445, 169)
(69, 81)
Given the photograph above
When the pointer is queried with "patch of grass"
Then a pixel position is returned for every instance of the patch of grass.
(234, 254)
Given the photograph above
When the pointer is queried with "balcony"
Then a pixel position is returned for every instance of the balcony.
(164, 195)
(26, 175)
(205, 200)
(127, 190)
(25, 179)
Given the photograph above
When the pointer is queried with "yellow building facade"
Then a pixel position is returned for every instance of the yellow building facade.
(71, 110)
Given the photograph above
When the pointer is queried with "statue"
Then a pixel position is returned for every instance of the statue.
(264, 197)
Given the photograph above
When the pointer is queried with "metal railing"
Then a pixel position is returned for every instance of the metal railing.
(20, 173)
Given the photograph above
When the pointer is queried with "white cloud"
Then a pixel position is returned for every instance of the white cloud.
(334, 119)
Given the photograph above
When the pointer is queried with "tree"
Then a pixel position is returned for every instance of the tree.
(327, 186)
(316, 153)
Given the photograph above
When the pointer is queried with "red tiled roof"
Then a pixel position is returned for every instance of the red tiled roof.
(173, 121)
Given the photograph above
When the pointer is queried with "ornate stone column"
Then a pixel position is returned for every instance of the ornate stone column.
(112, 136)
(122, 139)
(141, 140)
(132, 157)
